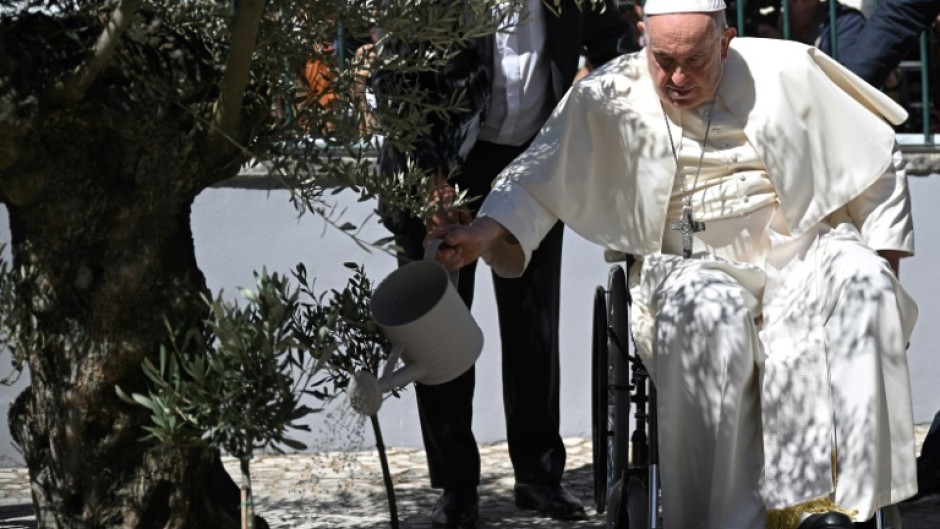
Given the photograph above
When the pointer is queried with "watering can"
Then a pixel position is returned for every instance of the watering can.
(431, 329)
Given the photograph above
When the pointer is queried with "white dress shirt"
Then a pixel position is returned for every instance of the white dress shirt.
(519, 103)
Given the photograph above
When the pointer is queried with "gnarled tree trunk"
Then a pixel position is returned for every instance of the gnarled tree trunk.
(99, 195)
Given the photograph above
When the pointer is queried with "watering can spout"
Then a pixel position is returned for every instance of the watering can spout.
(365, 391)
(401, 377)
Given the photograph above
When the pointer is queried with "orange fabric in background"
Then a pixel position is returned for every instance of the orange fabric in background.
(319, 77)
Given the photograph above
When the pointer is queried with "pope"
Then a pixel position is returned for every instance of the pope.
(759, 185)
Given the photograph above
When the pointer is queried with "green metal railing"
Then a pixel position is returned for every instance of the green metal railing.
(925, 87)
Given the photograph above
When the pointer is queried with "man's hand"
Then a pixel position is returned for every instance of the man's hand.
(464, 244)
(441, 198)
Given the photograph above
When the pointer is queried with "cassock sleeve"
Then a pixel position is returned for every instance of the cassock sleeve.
(882, 213)
(519, 212)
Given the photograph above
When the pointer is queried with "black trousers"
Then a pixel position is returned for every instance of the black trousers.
(528, 324)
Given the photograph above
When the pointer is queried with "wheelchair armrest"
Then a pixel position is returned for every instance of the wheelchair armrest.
(615, 256)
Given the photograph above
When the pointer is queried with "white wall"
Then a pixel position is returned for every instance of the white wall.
(921, 276)
(239, 230)
(277, 238)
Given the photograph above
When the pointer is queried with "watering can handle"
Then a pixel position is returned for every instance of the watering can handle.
(431, 250)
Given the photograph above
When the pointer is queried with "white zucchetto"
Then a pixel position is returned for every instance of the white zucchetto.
(661, 7)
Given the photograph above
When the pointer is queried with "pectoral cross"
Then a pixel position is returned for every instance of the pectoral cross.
(687, 226)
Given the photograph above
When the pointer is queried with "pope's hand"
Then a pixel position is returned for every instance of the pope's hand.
(464, 244)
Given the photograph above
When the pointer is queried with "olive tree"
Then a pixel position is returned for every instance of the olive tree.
(114, 116)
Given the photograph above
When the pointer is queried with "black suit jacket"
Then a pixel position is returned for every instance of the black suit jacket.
(888, 36)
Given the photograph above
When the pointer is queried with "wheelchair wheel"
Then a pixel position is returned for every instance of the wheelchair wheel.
(628, 505)
(599, 398)
(611, 395)
(618, 337)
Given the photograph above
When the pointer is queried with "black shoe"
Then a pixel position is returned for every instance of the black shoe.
(928, 476)
(827, 520)
(457, 508)
(552, 500)
(928, 480)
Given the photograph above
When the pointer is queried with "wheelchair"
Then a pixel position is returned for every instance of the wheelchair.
(626, 488)
(625, 463)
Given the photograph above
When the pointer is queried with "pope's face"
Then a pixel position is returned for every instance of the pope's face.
(686, 56)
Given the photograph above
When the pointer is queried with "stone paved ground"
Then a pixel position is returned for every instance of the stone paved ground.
(344, 490)
(348, 491)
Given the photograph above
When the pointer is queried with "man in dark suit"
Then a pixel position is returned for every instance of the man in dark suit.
(888, 36)
(513, 81)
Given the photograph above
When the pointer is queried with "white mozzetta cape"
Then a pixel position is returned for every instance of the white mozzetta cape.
(819, 129)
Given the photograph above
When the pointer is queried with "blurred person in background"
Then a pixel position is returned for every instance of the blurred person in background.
(889, 35)
(810, 24)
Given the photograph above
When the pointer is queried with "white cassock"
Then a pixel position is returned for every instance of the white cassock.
(781, 345)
